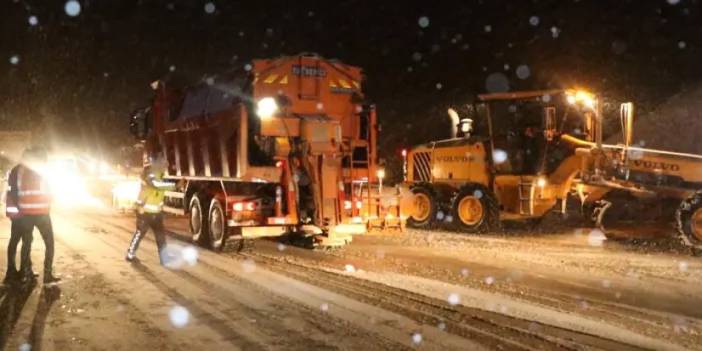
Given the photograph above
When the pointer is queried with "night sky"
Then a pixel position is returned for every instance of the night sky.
(80, 76)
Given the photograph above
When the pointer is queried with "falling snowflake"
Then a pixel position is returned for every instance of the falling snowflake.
(210, 8)
(72, 8)
(417, 56)
(499, 156)
(320, 106)
(14, 59)
(487, 28)
(506, 67)
(350, 268)
(546, 98)
(190, 255)
(449, 219)
(440, 215)
(24, 347)
(439, 86)
(441, 326)
(555, 32)
(606, 284)
(179, 316)
(33, 21)
(454, 299)
(209, 81)
(682, 266)
(416, 338)
(324, 307)
(596, 238)
(478, 194)
(673, 2)
(172, 68)
(247, 67)
(423, 22)
(281, 247)
(534, 21)
(682, 44)
(489, 280)
(523, 72)
(465, 272)
(248, 266)
(497, 83)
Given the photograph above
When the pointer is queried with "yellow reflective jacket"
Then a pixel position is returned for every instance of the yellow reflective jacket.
(153, 190)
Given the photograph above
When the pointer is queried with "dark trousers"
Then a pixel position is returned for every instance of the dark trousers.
(143, 223)
(22, 228)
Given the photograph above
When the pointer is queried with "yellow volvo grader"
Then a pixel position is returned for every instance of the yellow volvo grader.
(634, 187)
(525, 152)
(515, 159)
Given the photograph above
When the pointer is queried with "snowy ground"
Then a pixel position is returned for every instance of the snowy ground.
(419, 290)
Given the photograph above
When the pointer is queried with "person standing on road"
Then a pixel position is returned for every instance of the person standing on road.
(150, 207)
(28, 204)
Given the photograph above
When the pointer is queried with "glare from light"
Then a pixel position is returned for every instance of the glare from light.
(126, 193)
(571, 99)
(381, 173)
(68, 186)
(541, 182)
(267, 107)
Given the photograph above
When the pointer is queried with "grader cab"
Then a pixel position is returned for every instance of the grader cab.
(514, 159)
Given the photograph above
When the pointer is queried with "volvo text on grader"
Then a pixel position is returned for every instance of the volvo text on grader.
(286, 147)
(529, 150)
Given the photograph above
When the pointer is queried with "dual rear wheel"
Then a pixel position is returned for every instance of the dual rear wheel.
(208, 223)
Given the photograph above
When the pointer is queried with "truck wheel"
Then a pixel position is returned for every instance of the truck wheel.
(218, 225)
(423, 209)
(474, 210)
(689, 222)
(198, 221)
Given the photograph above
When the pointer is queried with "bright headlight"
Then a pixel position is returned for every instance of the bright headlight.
(267, 107)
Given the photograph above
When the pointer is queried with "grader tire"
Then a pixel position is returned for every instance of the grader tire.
(474, 210)
(688, 220)
(424, 209)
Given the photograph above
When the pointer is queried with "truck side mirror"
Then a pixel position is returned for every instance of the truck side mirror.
(550, 122)
(138, 124)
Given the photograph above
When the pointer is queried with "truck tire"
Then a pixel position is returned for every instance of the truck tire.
(424, 208)
(474, 210)
(217, 221)
(688, 220)
(199, 227)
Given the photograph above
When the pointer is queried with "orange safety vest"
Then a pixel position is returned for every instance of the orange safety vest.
(33, 196)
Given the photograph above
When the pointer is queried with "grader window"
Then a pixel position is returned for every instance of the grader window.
(518, 132)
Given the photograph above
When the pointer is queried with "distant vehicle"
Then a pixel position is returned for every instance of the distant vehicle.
(288, 146)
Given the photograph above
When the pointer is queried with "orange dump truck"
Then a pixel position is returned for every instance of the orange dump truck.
(286, 146)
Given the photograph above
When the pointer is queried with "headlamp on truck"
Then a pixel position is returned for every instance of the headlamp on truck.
(266, 107)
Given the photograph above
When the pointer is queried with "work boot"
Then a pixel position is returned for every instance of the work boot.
(49, 278)
(28, 276)
(11, 278)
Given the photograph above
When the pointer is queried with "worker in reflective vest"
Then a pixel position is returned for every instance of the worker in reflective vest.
(150, 207)
(28, 203)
